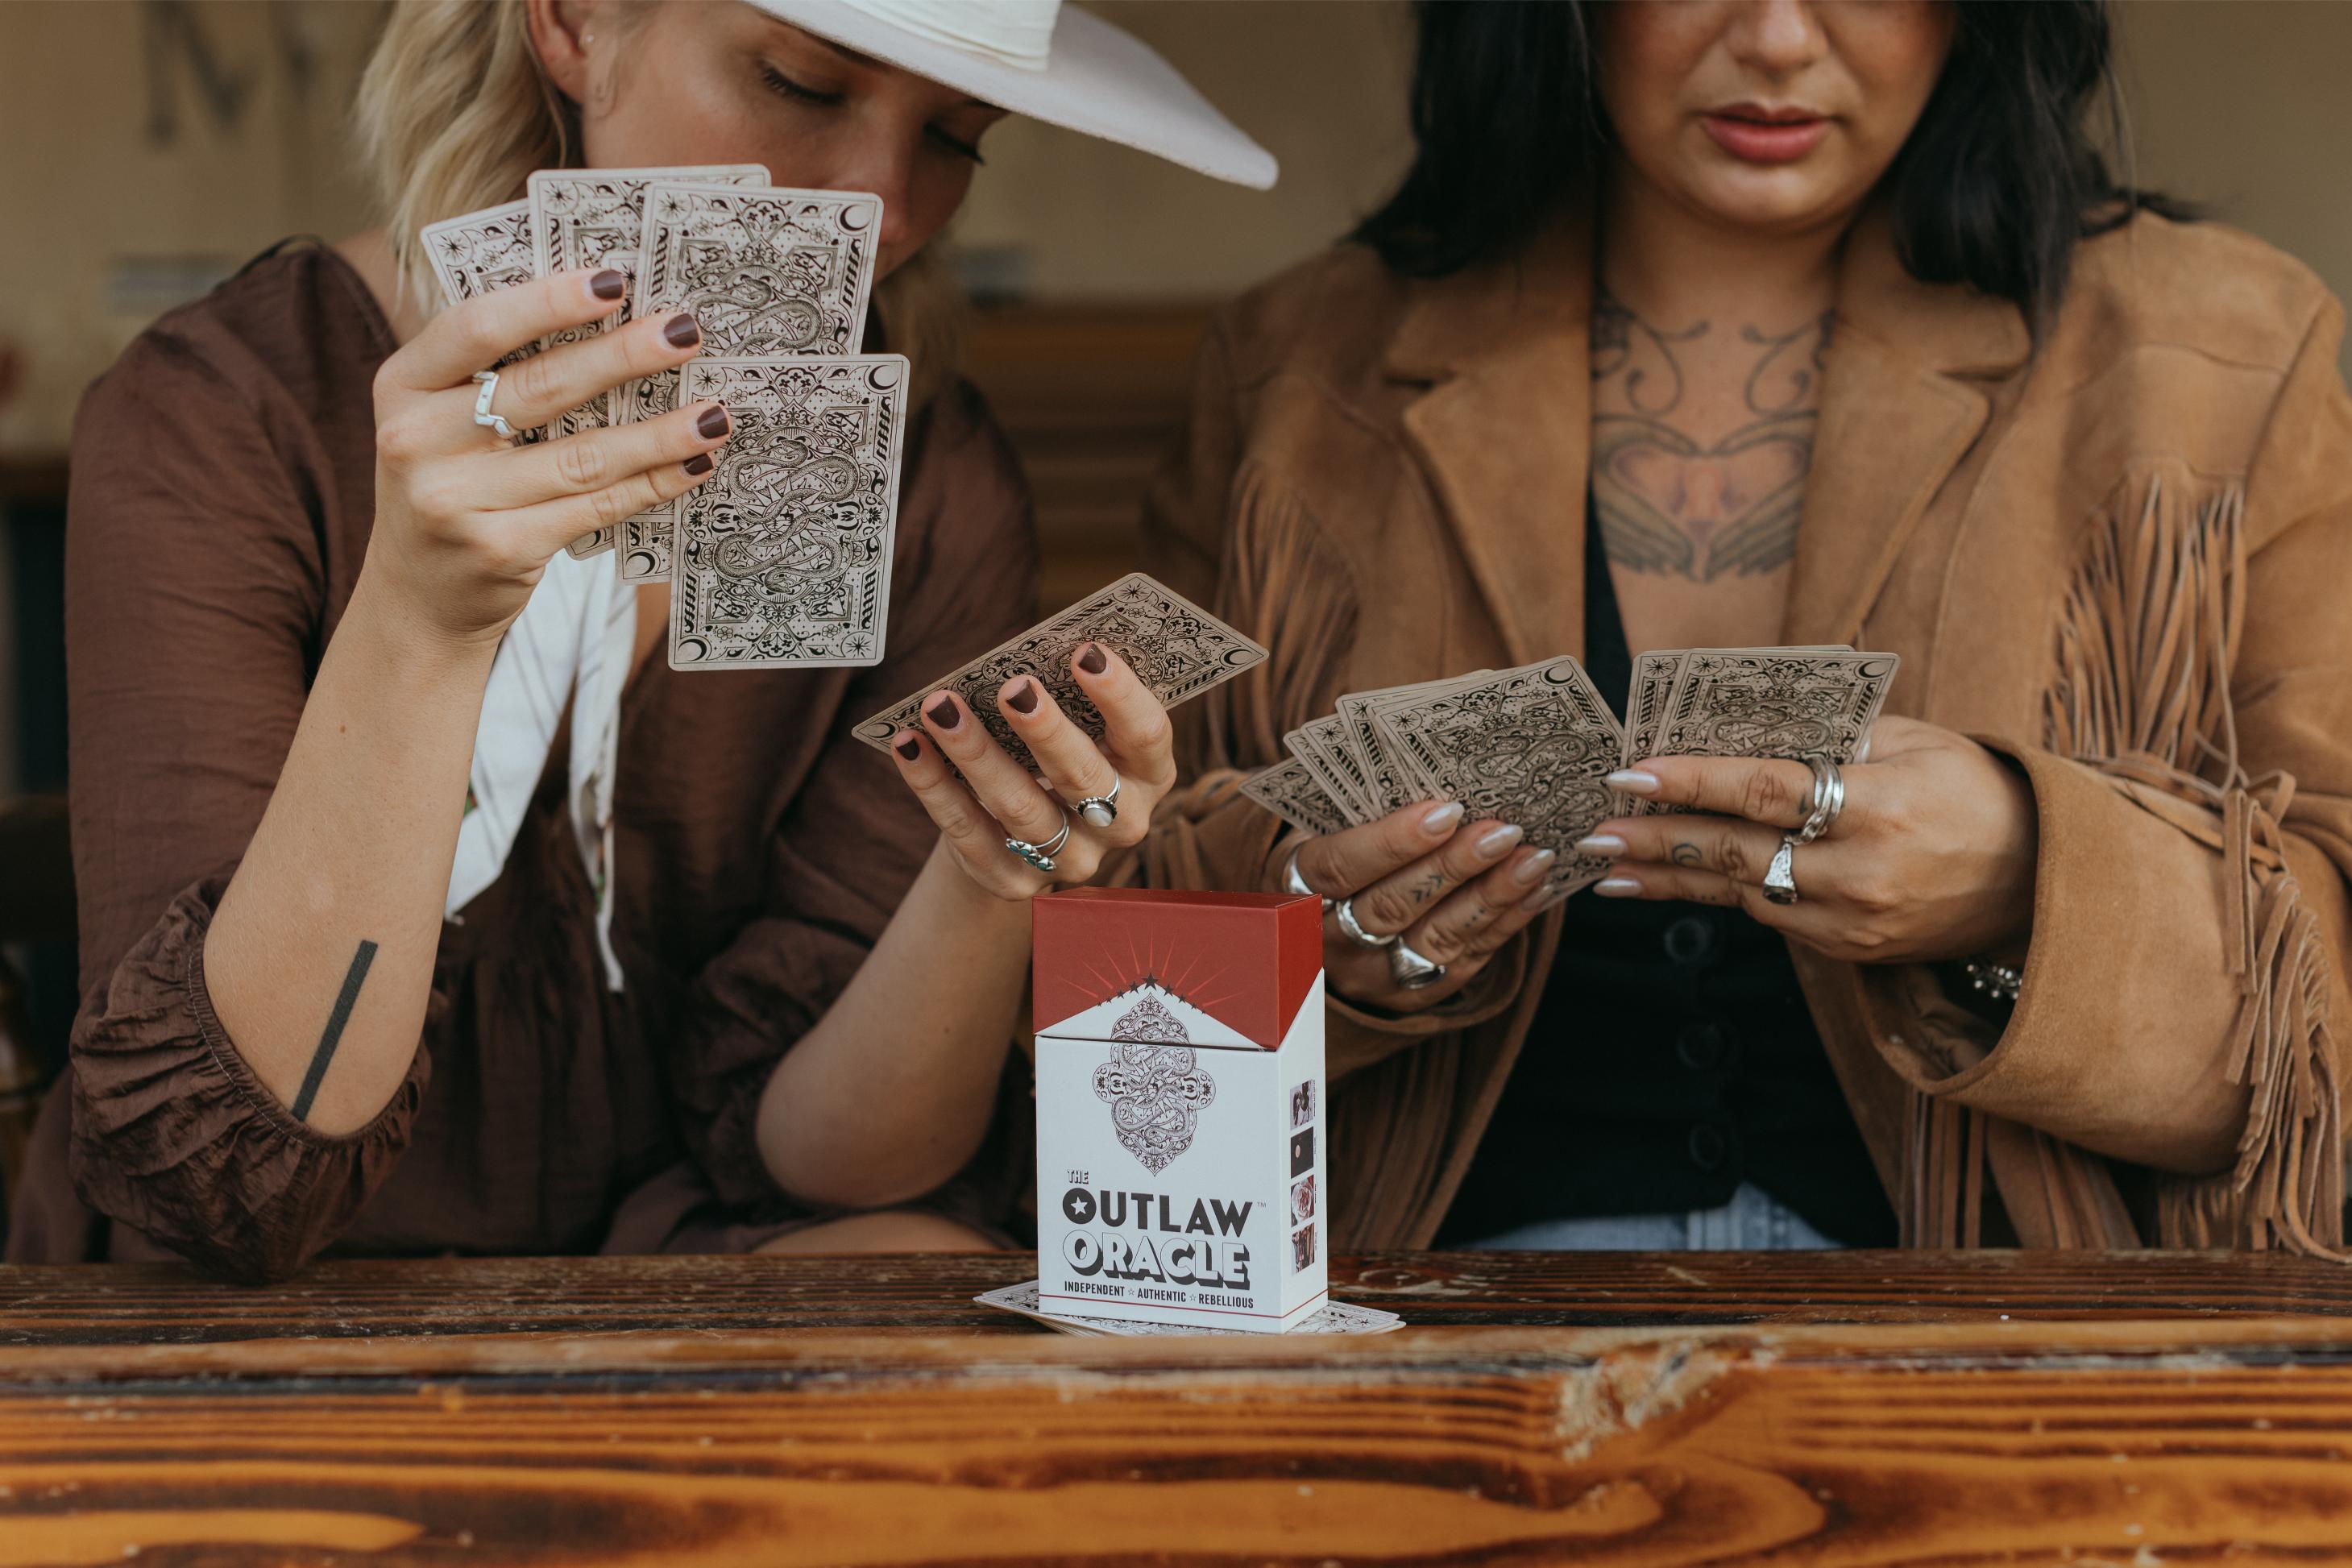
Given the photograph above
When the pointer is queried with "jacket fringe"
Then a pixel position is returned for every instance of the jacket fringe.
(2147, 637)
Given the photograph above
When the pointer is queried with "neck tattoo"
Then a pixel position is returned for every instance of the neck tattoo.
(1690, 477)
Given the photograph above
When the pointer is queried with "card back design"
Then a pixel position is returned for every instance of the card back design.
(1292, 792)
(1775, 702)
(481, 253)
(1176, 649)
(784, 554)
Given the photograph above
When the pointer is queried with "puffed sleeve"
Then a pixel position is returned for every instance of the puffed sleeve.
(849, 848)
(194, 594)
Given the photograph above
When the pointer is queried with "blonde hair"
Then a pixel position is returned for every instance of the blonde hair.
(454, 112)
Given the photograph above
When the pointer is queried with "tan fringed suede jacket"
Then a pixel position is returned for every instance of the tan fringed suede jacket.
(2123, 560)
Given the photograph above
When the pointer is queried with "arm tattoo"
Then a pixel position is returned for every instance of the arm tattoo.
(1668, 501)
(353, 978)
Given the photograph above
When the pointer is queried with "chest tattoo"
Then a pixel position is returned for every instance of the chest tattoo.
(1701, 441)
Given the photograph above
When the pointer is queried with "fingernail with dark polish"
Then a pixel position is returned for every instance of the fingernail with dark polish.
(682, 330)
(607, 284)
(713, 424)
(1092, 660)
(909, 747)
(942, 712)
(699, 465)
(1024, 698)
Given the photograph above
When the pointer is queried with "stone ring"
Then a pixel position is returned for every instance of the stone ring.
(1040, 855)
(1100, 810)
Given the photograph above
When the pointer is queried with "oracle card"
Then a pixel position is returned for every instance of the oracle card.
(1391, 784)
(1321, 745)
(1774, 703)
(765, 272)
(1176, 649)
(784, 554)
(1331, 1318)
(1293, 793)
(479, 254)
(1532, 746)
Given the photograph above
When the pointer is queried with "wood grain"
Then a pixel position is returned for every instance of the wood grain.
(1874, 1409)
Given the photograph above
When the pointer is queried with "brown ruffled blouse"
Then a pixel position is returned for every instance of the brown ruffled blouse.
(222, 492)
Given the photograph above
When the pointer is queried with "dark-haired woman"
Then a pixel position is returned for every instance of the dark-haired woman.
(1737, 324)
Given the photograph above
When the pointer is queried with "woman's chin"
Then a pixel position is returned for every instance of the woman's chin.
(1790, 198)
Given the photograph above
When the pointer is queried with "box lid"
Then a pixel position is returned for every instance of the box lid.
(1197, 968)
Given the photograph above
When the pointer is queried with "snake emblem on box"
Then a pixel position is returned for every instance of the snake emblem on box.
(1154, 1084)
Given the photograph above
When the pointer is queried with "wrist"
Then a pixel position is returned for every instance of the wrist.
(382, 622)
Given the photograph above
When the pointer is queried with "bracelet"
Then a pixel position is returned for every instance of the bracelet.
(1997, 981)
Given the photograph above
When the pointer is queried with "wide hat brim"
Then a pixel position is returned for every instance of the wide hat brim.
(1100, 80)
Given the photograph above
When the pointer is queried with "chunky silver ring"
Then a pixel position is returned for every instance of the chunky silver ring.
(482, 415)
(1827, 800)
(1780, 877)
(1100, 810)
(1344, 912)
(1040, 855)
(1295, 884)
(1411, 970)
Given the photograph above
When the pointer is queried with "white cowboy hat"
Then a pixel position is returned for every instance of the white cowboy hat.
(1049, 61)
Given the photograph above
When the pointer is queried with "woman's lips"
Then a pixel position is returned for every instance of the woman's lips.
(1765, 136)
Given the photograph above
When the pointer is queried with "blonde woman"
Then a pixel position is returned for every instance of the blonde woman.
(294, 557)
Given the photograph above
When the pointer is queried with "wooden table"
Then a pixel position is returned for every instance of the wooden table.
(1629, 1409)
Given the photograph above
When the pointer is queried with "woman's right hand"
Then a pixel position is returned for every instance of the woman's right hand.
(464, 519)
(1456, 893)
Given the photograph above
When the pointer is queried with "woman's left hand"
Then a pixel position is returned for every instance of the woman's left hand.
(1932, 857)
(997, 799)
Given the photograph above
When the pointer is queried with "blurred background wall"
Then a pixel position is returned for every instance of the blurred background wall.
(148, 146)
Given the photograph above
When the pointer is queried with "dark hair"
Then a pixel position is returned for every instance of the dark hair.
(1997, 181)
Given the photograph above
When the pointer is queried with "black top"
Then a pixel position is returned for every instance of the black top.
(1671, 1059)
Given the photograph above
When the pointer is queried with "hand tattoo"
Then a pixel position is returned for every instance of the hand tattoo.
(353, 978)
(1685, 855)
(1667, 501)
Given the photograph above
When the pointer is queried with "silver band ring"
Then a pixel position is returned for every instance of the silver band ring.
(482, 415)
(1344, 912)
(1411, 970)
(1780, 877)
(1295, 884)
(1040, 855)
(1100, 810)
(1827, 801)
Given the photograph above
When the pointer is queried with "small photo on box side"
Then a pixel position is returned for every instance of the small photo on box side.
(1302, 1248)
(1302, 1152)
(1302, 1199)
(1302, 1104)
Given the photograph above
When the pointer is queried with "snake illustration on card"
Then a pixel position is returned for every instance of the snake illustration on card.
(1774, 703)
(1177, 649)
(784, 554)
(1532, 746)
(766, 273)
(1292, 792)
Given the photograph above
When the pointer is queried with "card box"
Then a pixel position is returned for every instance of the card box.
(1180, 1125)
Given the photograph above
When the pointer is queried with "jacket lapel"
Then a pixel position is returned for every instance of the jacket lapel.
(1903, 398)
(1503, 431)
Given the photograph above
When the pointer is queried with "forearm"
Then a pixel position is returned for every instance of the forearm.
(319, 961)
(891, 1092)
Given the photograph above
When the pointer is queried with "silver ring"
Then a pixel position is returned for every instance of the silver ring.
(1344, 912)
(1780, 877)
(1040, 855)
(1411, 970)
(1295, 884)
(1100, 810)
(1827, 800)
(482, 415)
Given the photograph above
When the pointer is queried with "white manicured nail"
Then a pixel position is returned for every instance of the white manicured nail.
(1633, 781)
(1492, 845)
(1600, 844)
(1442, 821)
(1616, 887)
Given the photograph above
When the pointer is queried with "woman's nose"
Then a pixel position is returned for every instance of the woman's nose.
(1777, 36)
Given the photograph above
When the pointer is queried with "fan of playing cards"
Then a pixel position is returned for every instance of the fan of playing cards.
(1535, 746)
(783, 556)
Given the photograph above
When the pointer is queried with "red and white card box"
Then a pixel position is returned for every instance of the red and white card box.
(1179, 1107)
